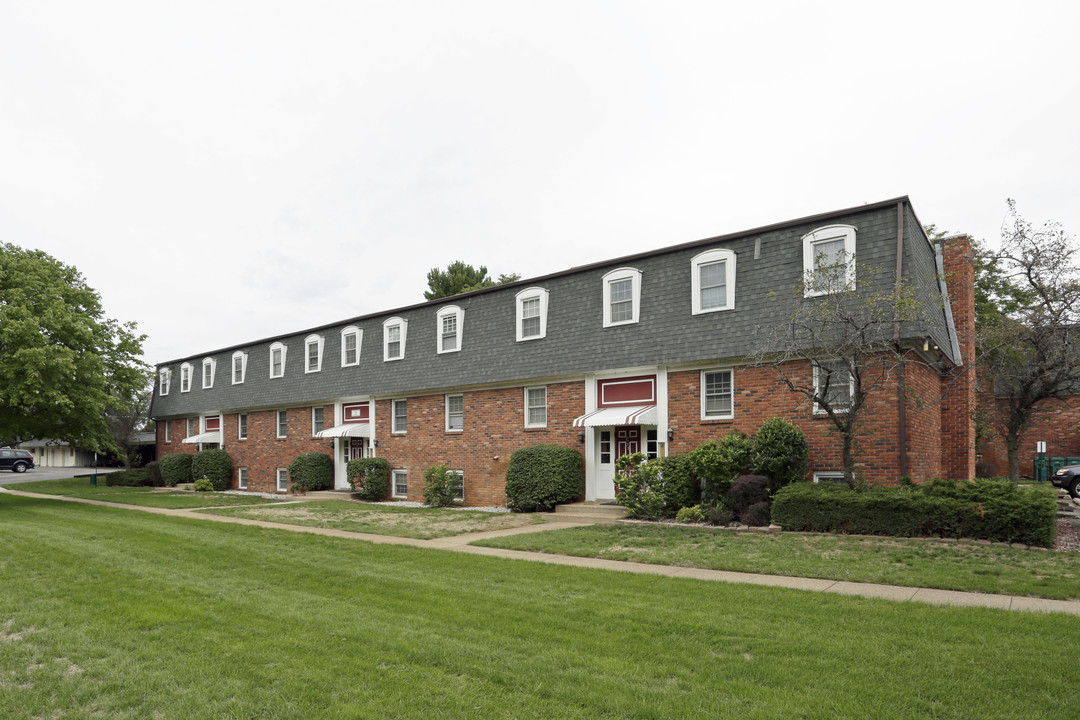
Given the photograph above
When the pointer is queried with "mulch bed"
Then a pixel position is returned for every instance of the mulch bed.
(1068, 538)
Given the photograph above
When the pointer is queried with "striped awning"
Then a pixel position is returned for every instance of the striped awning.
(214, 436)
(609, 416)
(347, 430)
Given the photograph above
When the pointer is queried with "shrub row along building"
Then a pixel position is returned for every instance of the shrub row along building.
(651, 352)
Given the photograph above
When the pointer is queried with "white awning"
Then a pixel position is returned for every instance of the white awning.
(214, 436)
(629, 415)
(347, 430)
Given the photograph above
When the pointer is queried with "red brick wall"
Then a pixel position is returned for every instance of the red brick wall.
(494, 427)
(924, 420)
(262, 453)
(1056, 426)
(177, 432)
(958, 402)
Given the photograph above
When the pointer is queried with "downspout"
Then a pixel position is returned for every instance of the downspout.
(901, 399)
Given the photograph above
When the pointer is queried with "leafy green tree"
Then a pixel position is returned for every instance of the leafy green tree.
(460, 278)
(63, 364)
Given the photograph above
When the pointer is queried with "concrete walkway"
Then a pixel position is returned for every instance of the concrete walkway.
(460, 543)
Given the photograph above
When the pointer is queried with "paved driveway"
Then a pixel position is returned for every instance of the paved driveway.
(48, 473)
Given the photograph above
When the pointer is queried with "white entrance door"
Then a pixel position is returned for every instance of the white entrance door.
(605, 464)
(347, 449)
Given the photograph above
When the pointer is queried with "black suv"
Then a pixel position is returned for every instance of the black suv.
(16, 460)
(1068, 477)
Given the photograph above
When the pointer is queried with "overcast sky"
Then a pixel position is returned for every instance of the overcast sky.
(222, 172)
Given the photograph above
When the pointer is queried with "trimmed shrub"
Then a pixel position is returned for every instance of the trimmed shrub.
(369, 477)
(985, 509)
(441, 486)
(153, 470)
(781, 453)
(680, 487)
(718, 515)
(175, 469)
(747, 491)
(128, 478)
(758, 515)
(311, 471)
(717, 464)
(204, 484)
(657, 488)
(214, 465)
(690, 514)
(543, 476)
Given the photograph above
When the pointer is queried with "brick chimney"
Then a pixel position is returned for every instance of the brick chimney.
(958, 383)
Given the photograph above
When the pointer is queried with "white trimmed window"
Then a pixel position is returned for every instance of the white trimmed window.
(278, 351)
(829, 476)
(164, 380)
(351, 337)
(188, 427)
(712, 280)
(316, 420)
(239, 367)
(400, 415)
(401, 483)
(282, 424)
(241, 426)
(652, 444)
(460, 484)
(536, 407)
(829, 260)
(532, 305)
(185, 377)
(209, 369)
(241, 478)
(717, 395)
(168, 430)
(833, 382)
(283, 479)
(449, 322)
(395, 331)
(313, 346)
(622, 296)
(455, 413)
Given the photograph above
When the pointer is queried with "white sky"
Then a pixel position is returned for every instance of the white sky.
(222, 172)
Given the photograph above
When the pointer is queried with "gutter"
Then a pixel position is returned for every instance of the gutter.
(901, 394)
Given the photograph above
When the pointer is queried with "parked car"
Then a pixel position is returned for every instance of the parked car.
(16, 460)
(1068, 477)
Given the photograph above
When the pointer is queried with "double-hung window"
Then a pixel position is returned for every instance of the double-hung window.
(455, 413)
(712, 281)
(168, 431)
(316, 420)
(460, 484)
(401, 483)
(829, 260)
(400, 416)
(395, 331)
(833, 386)
(313, 347)
(717, 398)
(282, 480)
(239, 367)
(282, 424)
(241, 478)
(532, 304)
(278, 351)
(209, 369)
(350, 345)
(536, 407)
(185, 377)
(449, 321)
(622, 297)
(164, 379)
(241, 426)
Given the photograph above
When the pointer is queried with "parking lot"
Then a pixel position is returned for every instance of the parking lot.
(48, 473)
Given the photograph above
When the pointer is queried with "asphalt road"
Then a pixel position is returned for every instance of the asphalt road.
(48, 473)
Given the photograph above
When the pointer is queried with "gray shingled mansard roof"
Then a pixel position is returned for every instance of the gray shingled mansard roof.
(768, 259)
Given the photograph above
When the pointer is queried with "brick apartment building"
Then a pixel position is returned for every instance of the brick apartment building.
(646, 352)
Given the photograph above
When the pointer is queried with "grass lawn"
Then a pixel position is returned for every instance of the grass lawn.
(893, 561)
(108, 613)
(423, 523)
(175, 499)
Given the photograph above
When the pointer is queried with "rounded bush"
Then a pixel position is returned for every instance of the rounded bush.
(746, 491)
(214, 465)
(175, 469)
(543, 476)
(690, 514)
(441, 486)
(153, 471)
(718, 515)
(312, 471)
(369, 477)
(717, 464)
(781, 453)
(758, 514)
(204, 485)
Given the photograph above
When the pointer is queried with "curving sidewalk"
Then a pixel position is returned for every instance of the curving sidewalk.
(460, 543)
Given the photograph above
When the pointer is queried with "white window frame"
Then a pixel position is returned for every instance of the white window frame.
(168, 431)
(708, 258)
(704, 399)
(829, 476)
(394, 428)
(281, 418)
(241, 478)
(357, 334)
(533, 293)
(322, 419)
(164, 380)
(461, 479)
(279, 475)
(617, 275)
(818, 410)
(316, 341)
(446, 404)
(187, 427)
(459, 316)
(242, 357)
(529, 408)
(284, 350)
(186, 370)
(828, 234)
(208, 378)
(241, 426)
(403, 334)
(394, 482)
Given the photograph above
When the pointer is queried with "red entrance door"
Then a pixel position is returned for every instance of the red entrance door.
(356, 448)
(627, 440)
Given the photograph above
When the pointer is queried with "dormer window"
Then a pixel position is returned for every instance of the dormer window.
(209, 367)
(313, 347)
(278, 352)
(164, 380)
(622, 296)
(532, 304)
(239, 367)
(829, 260)
(350, 345)
(449, 323)
(712, 281)
(185, 377)
(395, 331)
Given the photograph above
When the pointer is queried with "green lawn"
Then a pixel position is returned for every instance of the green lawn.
(174, 499)
(110, 613)
(423, 523)
(893, 561)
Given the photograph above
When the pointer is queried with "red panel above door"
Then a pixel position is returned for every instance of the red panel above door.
(626, 391)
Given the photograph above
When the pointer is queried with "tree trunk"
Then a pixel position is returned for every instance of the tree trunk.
(1012, 441)
(847, 455)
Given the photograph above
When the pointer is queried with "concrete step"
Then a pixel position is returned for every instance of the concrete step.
(604, 510)
(327, 495)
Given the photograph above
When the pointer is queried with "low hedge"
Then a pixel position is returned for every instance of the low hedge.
(982, 509)
(543, 476)
(175, 469)
(312, 471)
(129, 478)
